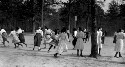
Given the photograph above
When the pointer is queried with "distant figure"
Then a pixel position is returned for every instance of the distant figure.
(80, 43)
(4, 36)
(37, 39)
(21, 35)
(103, 37)
(119, 42)
(62, 45)
(87, 35)
(15, 40)
(114, 38)
(74, 37)
(68, 33)
(99, 40)
(47, 36)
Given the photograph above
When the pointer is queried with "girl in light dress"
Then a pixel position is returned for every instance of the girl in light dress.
(99, 40)
(119, 42)
(4, 36)
(80, 43)
(47, 36)
(15, 40)
(62, 45)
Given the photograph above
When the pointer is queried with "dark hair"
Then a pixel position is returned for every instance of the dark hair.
(63, 30)
(46, 27)
(17, 28)
(74, 29)
(12, 29)
(1, 28)
(119, 30)
(80, 29)
(99, 28)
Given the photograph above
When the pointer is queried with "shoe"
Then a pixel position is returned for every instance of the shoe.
(8, 41)
(120, 56)
(26, 45)
(54, 47)
(33, 48)
(55, 55)
(48, 51)
(81, 55)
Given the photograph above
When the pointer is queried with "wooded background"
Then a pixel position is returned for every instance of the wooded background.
(27, 14)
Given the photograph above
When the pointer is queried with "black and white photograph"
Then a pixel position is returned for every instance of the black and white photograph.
(62, 33)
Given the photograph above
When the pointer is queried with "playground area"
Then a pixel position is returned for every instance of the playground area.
(27, 57)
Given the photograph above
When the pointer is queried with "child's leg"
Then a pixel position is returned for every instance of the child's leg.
(45, 43)
(15, 45)
(7, 41)
(116, 54)
(39, 48)
(20, 44)
(99, 51)
(77, 52)
(4, 43)
(55, 55)
(50, 47)
(25, 44)
(54, 47)
(33, 47)
(120, 54)
(81, 53)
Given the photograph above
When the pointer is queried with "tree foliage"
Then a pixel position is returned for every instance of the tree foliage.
(19, 12)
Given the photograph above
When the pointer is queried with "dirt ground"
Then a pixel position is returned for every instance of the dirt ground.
(26, 57)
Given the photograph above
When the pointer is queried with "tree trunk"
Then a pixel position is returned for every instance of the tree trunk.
(34, 25)
(94, 46)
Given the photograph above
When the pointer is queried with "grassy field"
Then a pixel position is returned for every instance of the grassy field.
(26, 57)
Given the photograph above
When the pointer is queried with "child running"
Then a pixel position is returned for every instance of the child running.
(63, 39)
(54, 41)
(21, 35)
(38, 38)
(15, 40)
(4, 36)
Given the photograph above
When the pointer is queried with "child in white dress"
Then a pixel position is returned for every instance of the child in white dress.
(119, 42)
(4, 36)
(62, 45)
(15, 40)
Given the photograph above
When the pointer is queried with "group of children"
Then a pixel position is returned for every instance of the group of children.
(60, 39)
(17, 36)
(53, 38)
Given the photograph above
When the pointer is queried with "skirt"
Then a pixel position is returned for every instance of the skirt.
(54, 42)
(37, 39)
(119, 45)
(4, 36)
(21, 38)
(79, 44)
(62, 47)
(15, 40)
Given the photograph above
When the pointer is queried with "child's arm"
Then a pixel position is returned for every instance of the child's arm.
(10, 34)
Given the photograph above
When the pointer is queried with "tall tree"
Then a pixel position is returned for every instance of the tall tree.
(94, 46)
